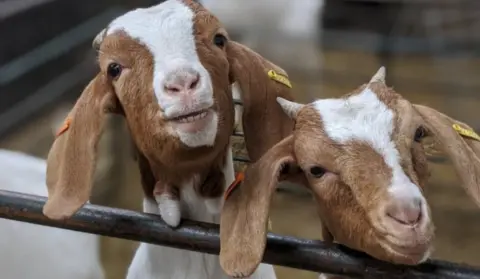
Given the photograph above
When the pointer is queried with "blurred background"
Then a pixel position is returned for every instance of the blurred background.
(431, 49)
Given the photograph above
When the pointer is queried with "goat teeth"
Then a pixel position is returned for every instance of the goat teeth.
(192, 118)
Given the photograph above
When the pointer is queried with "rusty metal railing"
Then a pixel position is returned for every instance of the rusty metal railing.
(286, 251)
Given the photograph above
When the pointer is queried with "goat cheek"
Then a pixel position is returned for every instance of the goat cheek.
(324, 188)
(420, 164)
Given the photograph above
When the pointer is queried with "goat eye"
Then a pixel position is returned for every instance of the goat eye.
(114, 70)
(420, 133)
(317, 171)
(219, 40)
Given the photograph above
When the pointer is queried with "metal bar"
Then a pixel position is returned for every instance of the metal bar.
(292, 252)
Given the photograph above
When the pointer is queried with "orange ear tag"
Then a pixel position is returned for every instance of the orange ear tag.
(238, 180)
(65, 126)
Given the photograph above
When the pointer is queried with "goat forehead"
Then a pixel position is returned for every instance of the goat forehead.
(165, 29)
(360, 117)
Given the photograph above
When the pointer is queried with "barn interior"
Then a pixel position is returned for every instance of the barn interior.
(431, 50)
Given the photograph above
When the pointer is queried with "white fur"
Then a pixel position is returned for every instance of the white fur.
(214, 206)
(169, 209)
(167, 30)
(363, 117)
(34, 251)
(158, 262)
(206, 136)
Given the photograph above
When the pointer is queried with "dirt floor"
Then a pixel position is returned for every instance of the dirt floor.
(417, 78)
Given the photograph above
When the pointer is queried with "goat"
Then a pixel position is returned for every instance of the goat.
(35, 251)
(170, 70)
(363, 159)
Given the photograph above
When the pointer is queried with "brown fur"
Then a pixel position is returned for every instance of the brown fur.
(264, 123)
(165, 163)
(243, 224)
(71, 166)
(352, 190)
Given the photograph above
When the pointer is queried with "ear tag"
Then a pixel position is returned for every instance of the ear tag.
(279, 78)
(65, 126)
(238, 180)
(466, 132)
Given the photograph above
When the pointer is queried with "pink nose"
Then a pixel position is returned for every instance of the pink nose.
(183, 81)
(405, 211)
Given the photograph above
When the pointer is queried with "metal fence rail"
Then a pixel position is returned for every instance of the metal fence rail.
(203, 237)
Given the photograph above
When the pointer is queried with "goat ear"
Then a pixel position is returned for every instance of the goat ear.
(72, 157)
(244, 218)
(260, 82)
(461, 144)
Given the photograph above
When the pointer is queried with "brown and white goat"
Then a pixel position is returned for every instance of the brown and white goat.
(363, 160)
(170, 69)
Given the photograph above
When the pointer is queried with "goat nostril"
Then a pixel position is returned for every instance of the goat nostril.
(182, 83)
(194, 82)
(405, 213)
(172, 88)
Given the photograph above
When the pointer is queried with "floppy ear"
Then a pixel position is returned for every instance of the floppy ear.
(244, 218)
(461, 144)
(261, 82)
(71, 159)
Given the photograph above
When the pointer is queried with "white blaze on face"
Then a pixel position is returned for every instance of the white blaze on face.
(166, 30)
(363, 117)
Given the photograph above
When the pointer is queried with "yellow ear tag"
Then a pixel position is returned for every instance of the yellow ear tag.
(279, 78)
(65, 126)
(269, 224)
(466, 132)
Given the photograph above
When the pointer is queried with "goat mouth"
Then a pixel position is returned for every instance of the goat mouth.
(411, 255)
(413, 251)
(193, 122)
(191, 117)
